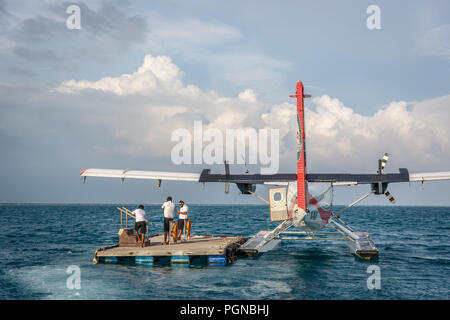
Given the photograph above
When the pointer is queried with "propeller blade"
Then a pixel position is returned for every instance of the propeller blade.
(384, 160)
(390, 197)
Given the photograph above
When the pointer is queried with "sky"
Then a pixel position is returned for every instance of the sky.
(110, 94)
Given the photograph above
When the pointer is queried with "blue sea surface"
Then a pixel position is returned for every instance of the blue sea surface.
(39, 242)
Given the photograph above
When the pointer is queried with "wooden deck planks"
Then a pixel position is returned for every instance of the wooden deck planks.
(193, 246)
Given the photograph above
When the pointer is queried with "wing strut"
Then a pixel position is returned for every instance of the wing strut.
(353, 203)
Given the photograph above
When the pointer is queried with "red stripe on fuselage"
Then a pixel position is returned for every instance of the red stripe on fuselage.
(324, 214)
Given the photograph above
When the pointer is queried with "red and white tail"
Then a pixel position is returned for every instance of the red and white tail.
(302, 187)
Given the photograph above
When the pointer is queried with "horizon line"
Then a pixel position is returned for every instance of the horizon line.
(195, 204)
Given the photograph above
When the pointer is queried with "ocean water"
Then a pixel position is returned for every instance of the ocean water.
(39, 242)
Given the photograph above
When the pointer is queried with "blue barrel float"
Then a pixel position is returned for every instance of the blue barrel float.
(217, 260)
(180, 260)
(108, 259)
(144, 261)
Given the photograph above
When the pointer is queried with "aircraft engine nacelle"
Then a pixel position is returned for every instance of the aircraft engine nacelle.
(376, 190)
(246, 188)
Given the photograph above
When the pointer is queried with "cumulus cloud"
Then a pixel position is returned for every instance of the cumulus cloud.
(399, 128)
(415, 134)
(247, 95)
(156, 101)
(156, 73)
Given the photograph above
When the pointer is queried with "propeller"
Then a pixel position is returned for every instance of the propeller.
(384, 160)
(390, 197)
(381, 188)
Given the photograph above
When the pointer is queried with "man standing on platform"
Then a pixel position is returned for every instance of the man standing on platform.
(183, 215)
(169, 208)
(141, 224)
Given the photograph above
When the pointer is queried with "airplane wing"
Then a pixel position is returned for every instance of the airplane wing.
(429, 176)
(139, 174)
(275, 179)
(284, 178)
(402, 176)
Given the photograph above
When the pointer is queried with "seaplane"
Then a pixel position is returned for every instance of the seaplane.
(299, 201)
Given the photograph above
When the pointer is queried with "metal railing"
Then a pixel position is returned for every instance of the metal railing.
(127, 213)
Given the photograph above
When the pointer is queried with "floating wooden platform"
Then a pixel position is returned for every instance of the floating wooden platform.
(214, 249)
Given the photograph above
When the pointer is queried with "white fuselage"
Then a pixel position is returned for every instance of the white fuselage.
(309, 220)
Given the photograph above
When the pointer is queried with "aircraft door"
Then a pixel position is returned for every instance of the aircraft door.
(278, 204)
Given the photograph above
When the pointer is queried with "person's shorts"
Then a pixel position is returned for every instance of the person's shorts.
(140, 227)
(167, 224)
(181, 224)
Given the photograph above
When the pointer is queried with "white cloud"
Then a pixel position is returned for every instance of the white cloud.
(247, 95)
(415, 135)
(156, 73)
(398, 128)
(154, 101)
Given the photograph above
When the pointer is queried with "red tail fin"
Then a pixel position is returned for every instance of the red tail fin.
(302, 188)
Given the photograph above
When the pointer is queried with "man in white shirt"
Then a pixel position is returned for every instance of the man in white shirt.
(168, 208)
(141, 224)
(183, 215)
